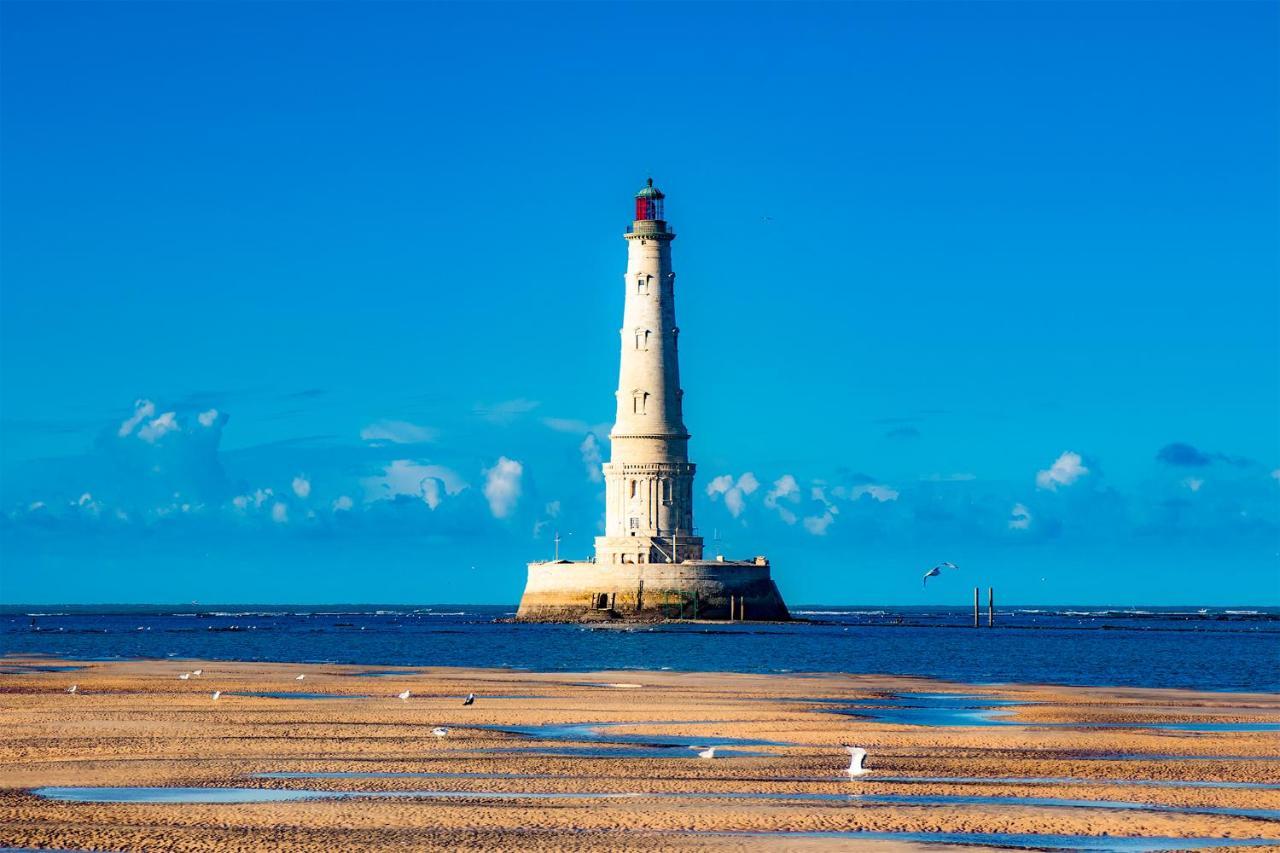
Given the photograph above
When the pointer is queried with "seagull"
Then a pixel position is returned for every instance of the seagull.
(856, 756)
(185, 676)
(216, 694)
(439, 731)
(709, 752)
(72, 688)
(300, 677)
(470, 700)
(404, 696)
(935, 571)
(197, 672)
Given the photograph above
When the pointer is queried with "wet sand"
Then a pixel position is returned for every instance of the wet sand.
(136, 724)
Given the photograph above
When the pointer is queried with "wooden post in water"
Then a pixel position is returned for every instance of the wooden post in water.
(975, 607)
(991, 607)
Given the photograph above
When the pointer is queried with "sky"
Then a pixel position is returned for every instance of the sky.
(318, 302)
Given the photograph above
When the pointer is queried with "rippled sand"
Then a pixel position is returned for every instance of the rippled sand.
(137, 724)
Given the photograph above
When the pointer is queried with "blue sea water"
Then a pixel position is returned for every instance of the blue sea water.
(1236, 649)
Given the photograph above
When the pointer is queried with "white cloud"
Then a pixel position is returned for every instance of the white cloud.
(301, 486)
(785, 488)
(734, 493)
(1019, 517)
(142, 409)
(279, 513)
(398, 432)
(415, 479)
(881, 493)
(553, 509)
(343, 504)
(590, 450)
(818, 524)
(502, 486)
(152, 431)
(720, 485)
(1193, 483)
(209, 418)
(1065, 470)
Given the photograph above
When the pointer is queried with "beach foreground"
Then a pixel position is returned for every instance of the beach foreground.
(521, 769)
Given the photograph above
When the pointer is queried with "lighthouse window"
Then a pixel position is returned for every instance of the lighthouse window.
(633, 488)
(666, 491)
(638, 401)
(642, 287)
(642, 339)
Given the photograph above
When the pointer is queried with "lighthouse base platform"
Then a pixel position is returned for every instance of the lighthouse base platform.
(569, 591)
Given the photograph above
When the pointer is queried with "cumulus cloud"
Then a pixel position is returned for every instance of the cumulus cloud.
(153, 430)
(398, 432)
(1019, 517)
(1193, 483)
(279, 513)
(343, 504)
(301, 486)
(590, 450)
(818, 523)
(429, 483)
(1065, 470)
(142, 409)
(785, 488)
(208, 418)
(734, 493)
(879, 492)
(502, 486)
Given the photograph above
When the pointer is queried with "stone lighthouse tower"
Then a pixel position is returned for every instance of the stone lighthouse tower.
(649, 479)
(649, 563)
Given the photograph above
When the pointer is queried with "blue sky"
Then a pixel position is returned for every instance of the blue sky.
(319, 302)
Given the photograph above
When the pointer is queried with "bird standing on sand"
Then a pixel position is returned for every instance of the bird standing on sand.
(300, 677)
(439, 731)
(216, 694)
(470, 700)
(73, 688)
(197, 672)
(707, 752)
(184, 676)
(856, 756)
(935, 571)
(404, 697)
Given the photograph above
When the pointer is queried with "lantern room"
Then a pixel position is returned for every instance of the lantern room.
(649, 203)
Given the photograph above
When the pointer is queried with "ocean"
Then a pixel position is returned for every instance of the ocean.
(1230, 649)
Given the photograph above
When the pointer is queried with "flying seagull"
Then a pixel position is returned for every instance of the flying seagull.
(856, 756)
(72, 688)
(216, 694)
(185, 676)
(935, 571)
(439, 731)
(709, 752)
(470, 700)
(404, 696)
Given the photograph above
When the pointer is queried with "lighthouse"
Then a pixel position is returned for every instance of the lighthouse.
(649, 478)
(648, 564)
